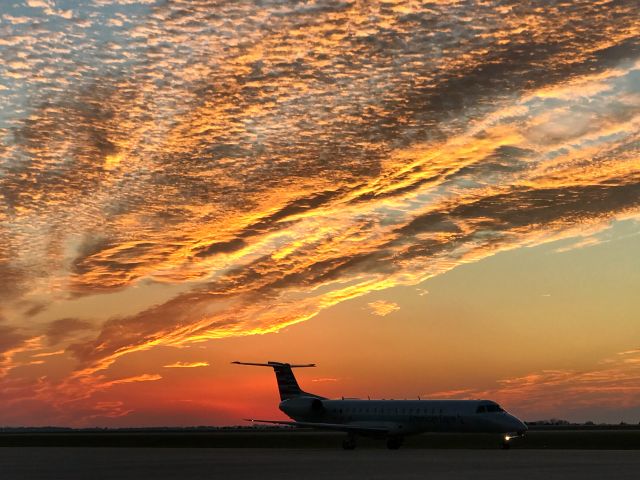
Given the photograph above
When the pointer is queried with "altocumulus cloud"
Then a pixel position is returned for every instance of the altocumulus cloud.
(275, 159)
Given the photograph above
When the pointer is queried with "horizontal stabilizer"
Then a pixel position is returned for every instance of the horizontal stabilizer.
(274, 364)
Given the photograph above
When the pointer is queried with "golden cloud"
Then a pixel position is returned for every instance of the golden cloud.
(383, 307)
(187, 365)
(272, 162)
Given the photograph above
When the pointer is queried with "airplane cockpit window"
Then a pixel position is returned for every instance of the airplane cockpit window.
(493, 408)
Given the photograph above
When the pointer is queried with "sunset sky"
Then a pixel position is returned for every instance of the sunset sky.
(425, 198)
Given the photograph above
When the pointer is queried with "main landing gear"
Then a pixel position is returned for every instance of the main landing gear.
(349, 443)
(394, 443)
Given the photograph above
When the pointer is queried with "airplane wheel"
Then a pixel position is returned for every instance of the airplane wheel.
(394, 443)
(349, 444)
(505, 446)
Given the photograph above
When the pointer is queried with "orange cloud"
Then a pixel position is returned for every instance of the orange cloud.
(611, 385)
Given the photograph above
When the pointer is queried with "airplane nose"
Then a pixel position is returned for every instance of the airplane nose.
(520, 426)
(516, 425)
(523, 428)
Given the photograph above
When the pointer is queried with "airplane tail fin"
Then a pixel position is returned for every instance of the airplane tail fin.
(287, 383)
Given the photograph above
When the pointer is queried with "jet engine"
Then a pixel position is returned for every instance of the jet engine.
(302, 407)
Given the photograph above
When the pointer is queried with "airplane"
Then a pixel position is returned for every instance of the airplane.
(388, 419)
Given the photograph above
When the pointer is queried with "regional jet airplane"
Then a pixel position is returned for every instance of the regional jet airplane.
(389, 419)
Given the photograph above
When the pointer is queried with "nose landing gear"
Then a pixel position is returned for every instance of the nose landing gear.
(506, 441)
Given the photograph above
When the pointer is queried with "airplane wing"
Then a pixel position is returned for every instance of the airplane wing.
(327, 426)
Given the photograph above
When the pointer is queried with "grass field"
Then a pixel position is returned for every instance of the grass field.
(559, 438)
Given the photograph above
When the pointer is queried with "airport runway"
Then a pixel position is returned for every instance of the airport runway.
(220, 463)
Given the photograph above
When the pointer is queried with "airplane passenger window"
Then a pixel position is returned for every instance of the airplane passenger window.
(481, 409)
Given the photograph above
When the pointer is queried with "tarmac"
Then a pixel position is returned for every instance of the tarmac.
(71, 463)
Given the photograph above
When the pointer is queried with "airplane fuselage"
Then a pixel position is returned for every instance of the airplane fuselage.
(406, 417)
